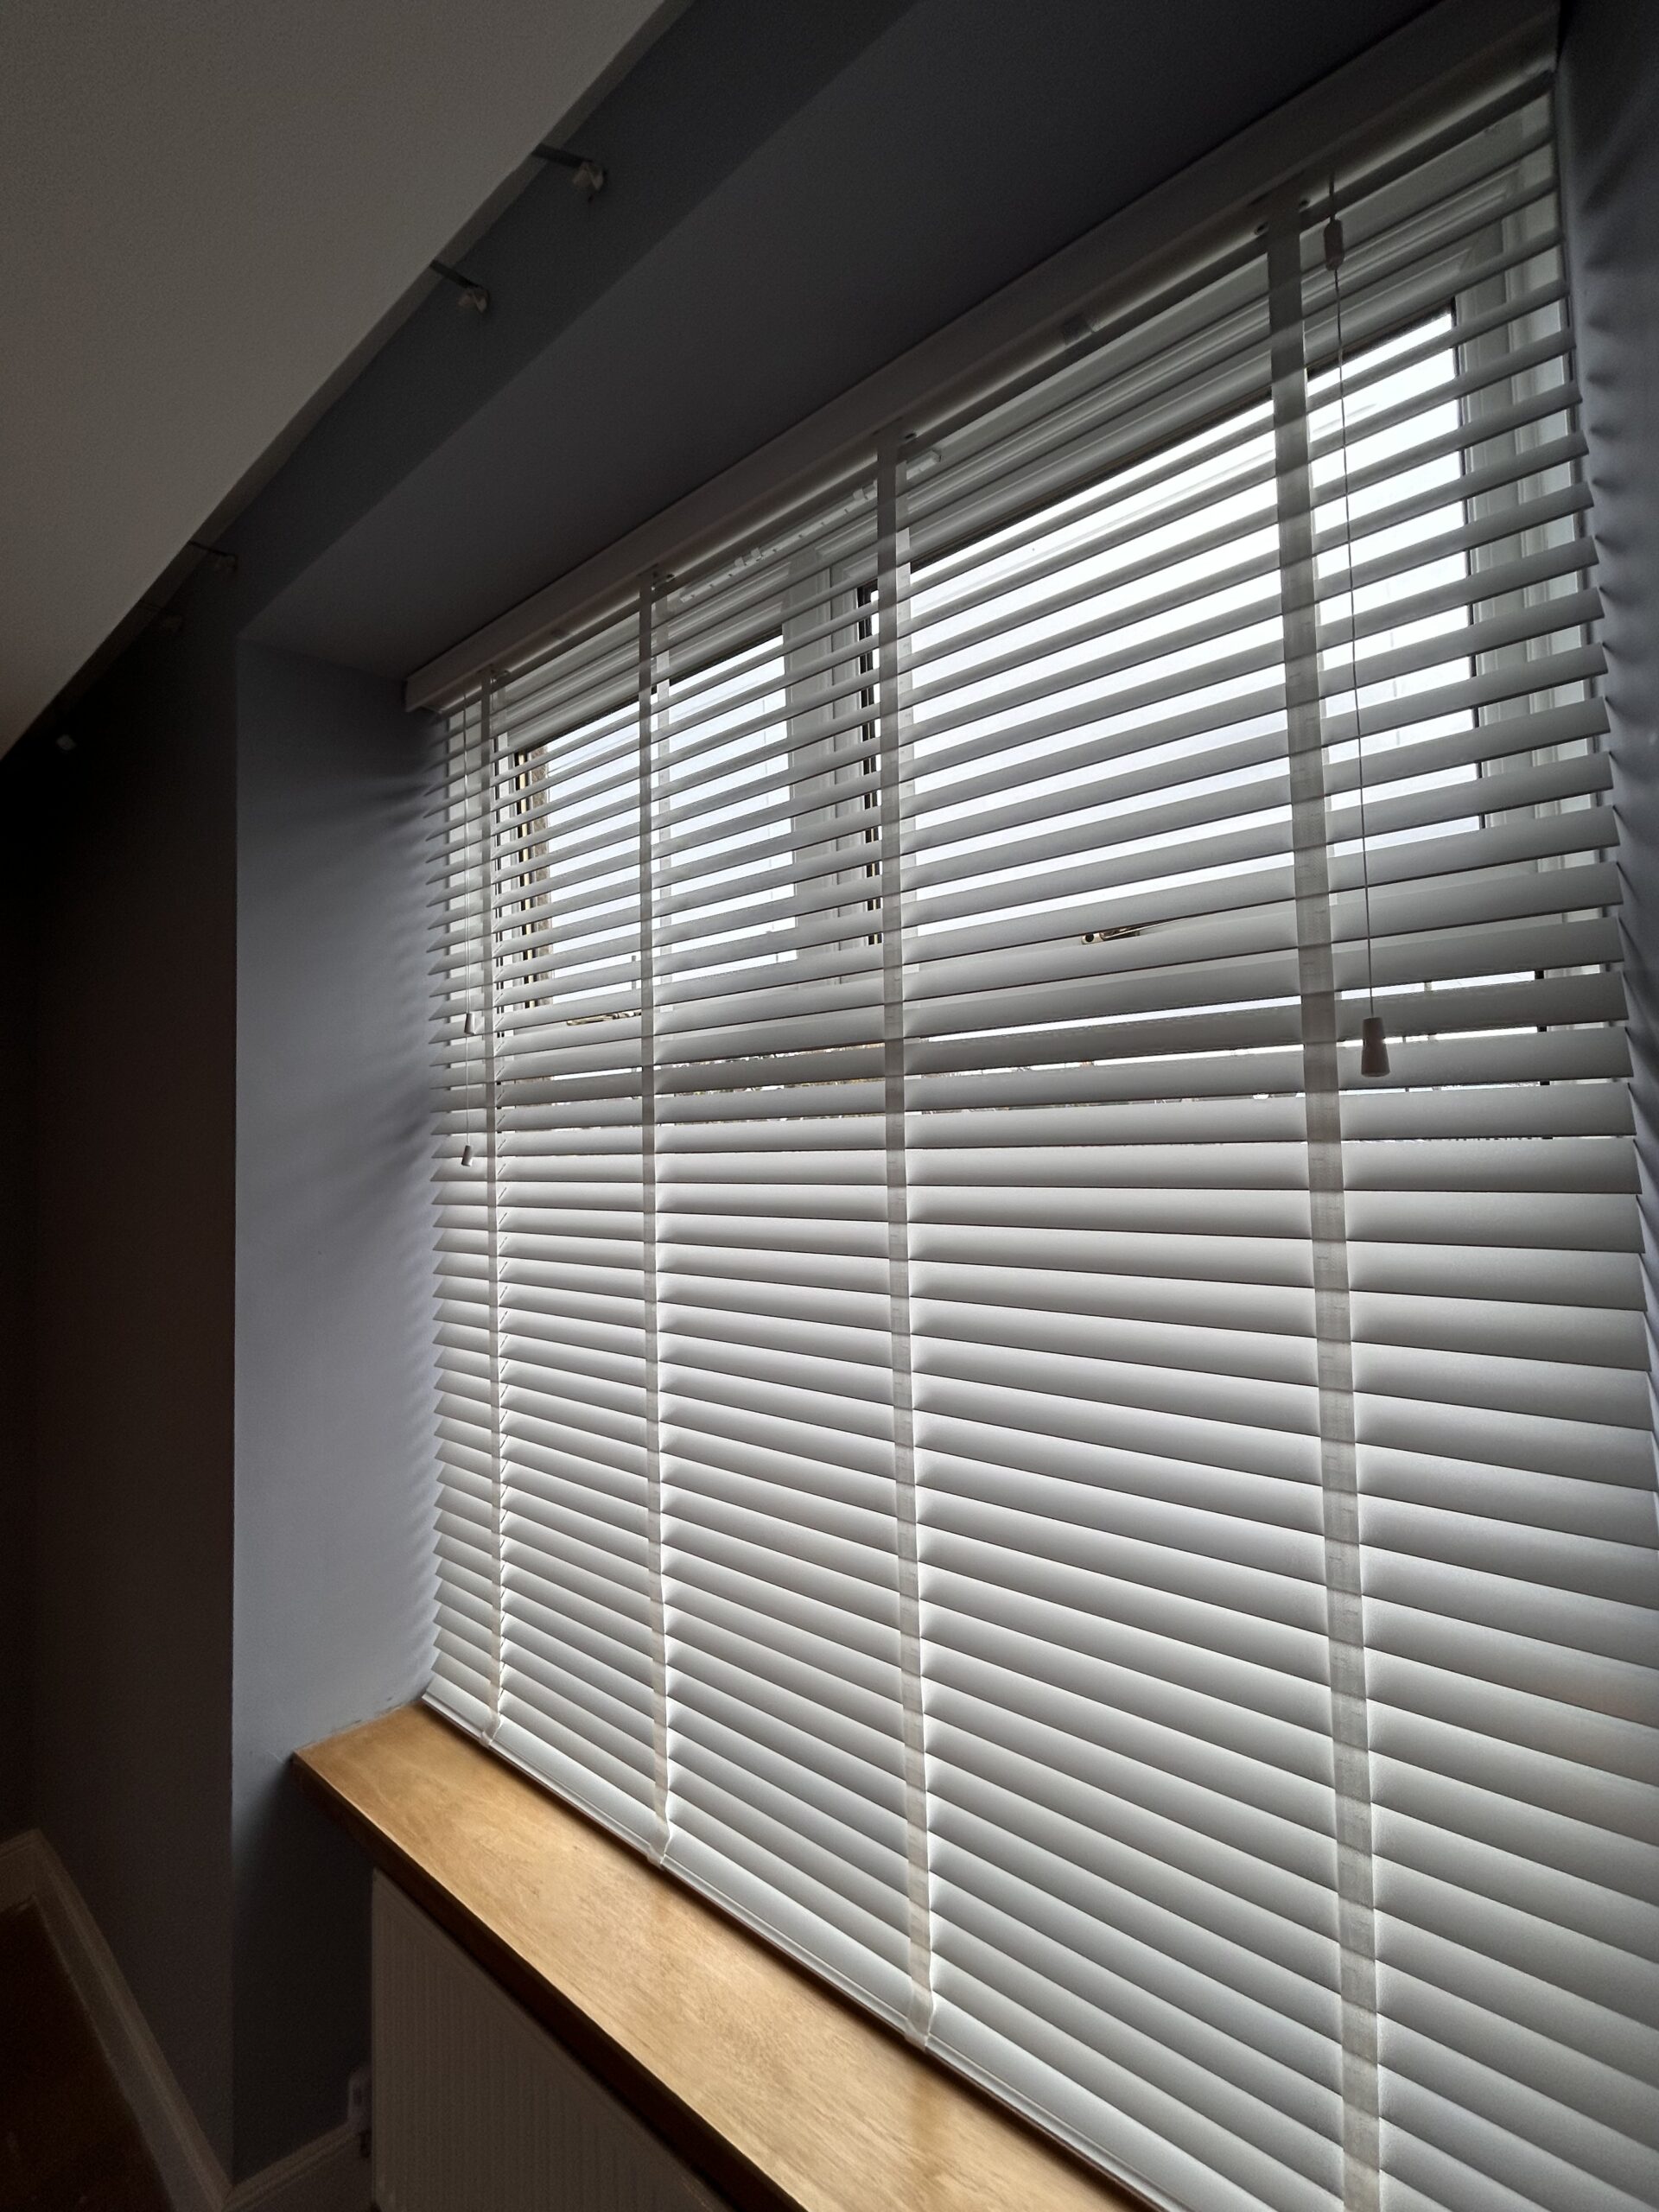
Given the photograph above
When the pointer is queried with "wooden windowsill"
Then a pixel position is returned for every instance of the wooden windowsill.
(785, 2097)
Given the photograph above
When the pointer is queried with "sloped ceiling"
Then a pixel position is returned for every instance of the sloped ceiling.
(206, 211)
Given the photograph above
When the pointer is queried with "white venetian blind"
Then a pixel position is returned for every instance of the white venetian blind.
(972, 1428)
(779, 1309)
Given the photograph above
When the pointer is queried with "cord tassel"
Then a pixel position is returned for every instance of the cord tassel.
(1373, 1047)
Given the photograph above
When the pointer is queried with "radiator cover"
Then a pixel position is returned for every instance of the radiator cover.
(478, 2109)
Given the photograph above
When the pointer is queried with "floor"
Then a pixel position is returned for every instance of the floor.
(68, 2142)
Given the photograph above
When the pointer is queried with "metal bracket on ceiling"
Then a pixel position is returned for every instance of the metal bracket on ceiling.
(586, 174)
(472, 295)
(219, 558)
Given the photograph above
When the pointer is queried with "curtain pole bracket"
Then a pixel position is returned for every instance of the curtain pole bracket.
(472, 295)
(587, 174)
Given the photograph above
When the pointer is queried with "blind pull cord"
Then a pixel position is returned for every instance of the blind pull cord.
(481, 1021)
(891, 703)
(1308, 762)
(653, 675)
(469, 1029)
(1373, 1038)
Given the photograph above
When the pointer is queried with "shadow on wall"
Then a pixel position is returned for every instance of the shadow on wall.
(334, 1399)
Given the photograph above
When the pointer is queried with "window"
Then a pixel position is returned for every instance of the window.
(971, 1429)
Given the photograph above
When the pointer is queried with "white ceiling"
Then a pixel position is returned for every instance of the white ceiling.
(205, 209)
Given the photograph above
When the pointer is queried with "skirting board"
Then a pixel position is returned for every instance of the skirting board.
(329, 2175)
(16, 1870)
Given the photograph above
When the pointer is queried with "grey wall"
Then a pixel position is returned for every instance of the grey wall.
(334, 1328)
(1610, 119)
(131, 1304)
(18, 970)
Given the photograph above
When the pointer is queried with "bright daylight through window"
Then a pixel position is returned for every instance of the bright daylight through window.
(970, 1428)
